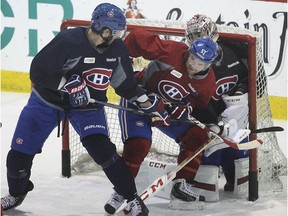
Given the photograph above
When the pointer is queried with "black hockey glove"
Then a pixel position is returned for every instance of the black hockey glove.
(78, 91)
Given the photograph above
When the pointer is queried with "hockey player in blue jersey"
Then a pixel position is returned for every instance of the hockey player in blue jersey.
(78, 65)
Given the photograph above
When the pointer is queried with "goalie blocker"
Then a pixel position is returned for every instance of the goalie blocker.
(207, 179)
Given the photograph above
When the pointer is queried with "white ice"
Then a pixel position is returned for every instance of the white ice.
(83, 195)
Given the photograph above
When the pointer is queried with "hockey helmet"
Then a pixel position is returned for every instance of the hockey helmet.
(200, 26)
(107, 15)
(205, 49)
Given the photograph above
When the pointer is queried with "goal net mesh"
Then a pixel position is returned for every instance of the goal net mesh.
(271, 162)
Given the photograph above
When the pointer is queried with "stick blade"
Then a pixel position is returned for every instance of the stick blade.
(250, 145)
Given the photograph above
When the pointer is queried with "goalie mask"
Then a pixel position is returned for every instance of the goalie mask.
(108, 16)
(203, 52)
(200, 26)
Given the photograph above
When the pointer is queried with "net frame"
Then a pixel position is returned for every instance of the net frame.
(257, 93)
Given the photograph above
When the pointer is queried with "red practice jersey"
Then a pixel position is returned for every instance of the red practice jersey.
(168, 76)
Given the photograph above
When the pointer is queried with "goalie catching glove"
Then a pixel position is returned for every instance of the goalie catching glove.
(155, 105)
(78, 91)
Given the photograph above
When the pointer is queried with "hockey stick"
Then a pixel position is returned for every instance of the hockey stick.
(260, 130)
(165, 179)
(243, 146)
(268, 129)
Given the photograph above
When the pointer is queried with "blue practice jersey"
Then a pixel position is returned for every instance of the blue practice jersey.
(70, 52)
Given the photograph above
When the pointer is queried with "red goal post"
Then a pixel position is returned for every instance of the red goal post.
(259, 107)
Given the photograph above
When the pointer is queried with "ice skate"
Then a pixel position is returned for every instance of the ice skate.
(115, 201)
(183, 197)
(136, 207)
(9, 201)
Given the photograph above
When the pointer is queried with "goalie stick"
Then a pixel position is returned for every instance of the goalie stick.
(268, 129)
(235, 145)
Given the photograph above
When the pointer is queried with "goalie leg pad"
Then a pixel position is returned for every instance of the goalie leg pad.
(206, 182)
(149, 171)
(241, 177)
(134, 152)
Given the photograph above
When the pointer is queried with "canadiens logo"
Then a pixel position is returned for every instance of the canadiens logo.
(171, 91)
(19, 141)
(110, 14)
(139, 123)
(225, 85)
(98, 78)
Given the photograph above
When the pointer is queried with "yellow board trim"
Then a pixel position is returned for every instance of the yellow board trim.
(278, 107)
(12, 81)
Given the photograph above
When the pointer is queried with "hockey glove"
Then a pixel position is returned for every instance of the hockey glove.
(156, 107)
(179, 111)
(78, 91)
(225, 129)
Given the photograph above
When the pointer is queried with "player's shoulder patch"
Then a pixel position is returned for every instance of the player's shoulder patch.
(176, 73)
(89, 60)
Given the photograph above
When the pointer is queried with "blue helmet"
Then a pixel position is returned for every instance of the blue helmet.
(108, 16)
(205, 49)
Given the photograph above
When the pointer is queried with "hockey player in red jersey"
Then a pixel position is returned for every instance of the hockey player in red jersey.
(229, 106)
(183, 78)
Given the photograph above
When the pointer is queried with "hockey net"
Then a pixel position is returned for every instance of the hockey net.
(267, 162)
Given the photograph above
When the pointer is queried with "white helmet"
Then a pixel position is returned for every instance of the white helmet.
(200, 26)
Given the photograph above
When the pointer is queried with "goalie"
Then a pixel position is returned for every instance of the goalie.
(229, 103)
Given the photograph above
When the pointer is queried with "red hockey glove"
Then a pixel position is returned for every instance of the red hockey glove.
(78, 91)
(156, 107)
(179, 111)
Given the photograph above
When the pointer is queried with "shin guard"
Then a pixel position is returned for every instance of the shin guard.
(18, 172)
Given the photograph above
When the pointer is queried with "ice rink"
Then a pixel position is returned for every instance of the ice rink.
(83, 195)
